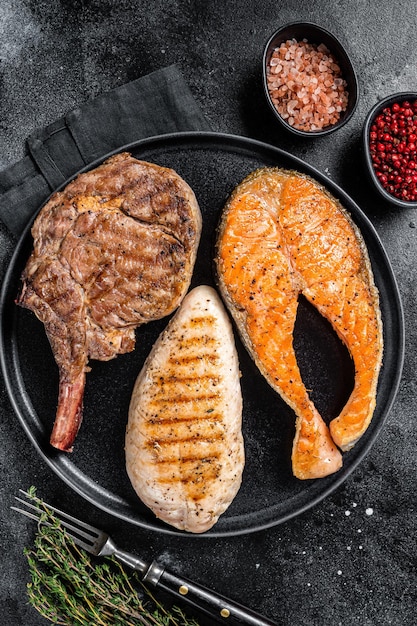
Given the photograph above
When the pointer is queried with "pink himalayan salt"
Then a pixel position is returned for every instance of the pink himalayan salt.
(306, 85)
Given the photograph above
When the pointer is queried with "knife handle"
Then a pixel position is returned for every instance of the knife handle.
(213, 604)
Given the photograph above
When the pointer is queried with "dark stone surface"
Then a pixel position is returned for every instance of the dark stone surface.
(351, 560)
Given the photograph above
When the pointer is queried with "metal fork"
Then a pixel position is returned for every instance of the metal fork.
(100, 543)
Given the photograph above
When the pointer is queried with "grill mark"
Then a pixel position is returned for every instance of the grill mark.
(135, 286)
(114, 205)
(206, 340)
(153, 226)
(98, 232)
(183, 461)
(203, 320)
(156, 442)
(200, 472)
(148, 246)
(149, 258)
(184, 399)
(187, 360)
(209, 417)
(173, 379)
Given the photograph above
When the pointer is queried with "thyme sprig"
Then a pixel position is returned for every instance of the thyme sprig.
(69, 589)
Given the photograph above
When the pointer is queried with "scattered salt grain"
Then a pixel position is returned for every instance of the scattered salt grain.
(369, 511)
(306, 85)
(347, 513)
(339, 572)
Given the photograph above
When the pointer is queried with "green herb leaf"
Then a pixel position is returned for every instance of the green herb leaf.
(67, 588)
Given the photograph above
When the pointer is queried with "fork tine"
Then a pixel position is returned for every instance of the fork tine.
(28, 514)
(37, 518)
(93, 538)
(30, 506)
(63, 521)
(92, 530)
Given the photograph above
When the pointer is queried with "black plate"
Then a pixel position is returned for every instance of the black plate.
(213, 165)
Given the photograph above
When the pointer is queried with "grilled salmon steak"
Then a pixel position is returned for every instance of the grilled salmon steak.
(281, 235)
(184, 445)
(115, 249)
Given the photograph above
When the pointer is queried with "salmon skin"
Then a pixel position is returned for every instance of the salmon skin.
(184, 445)
(282, 234)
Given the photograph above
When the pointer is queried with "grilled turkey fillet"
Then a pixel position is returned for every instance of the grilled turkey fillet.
(184, 446)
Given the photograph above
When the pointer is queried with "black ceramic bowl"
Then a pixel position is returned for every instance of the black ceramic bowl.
(314, 35)
(373, 113)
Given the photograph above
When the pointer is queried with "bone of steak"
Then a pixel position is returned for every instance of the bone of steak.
(114, 250)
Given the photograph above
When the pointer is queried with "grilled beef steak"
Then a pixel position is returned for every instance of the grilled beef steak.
(114, 250)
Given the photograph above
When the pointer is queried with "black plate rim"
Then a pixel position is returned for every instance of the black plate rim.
(59, 462)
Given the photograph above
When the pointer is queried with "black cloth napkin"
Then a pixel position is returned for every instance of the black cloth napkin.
(155, 104)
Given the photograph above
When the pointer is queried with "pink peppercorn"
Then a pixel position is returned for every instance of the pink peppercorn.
(393, 149)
